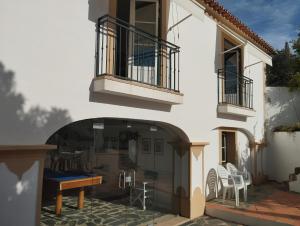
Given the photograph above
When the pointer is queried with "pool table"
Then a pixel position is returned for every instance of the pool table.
(68, 180)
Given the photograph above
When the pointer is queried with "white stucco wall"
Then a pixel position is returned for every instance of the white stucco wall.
(19, 193)
(50, 46)
(285, 155)
(281, 156)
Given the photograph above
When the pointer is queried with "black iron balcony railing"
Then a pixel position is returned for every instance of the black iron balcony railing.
(234, 89)
(127, 52)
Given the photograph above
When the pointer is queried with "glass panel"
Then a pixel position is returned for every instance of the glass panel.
(232, 60)
(231, 72)
(145, 13)
(146, 17)
(147, 27)
(224, 148)
(231, 68)
(141, 165)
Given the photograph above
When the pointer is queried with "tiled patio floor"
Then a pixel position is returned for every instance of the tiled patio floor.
(267, 203)
(97, 212)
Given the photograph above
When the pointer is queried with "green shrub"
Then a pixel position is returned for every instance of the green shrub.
(294, 83)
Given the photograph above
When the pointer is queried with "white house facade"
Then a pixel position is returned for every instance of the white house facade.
(167, 88)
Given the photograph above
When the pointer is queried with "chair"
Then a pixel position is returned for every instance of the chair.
(230, 181)
(141, 194)
(246, 176)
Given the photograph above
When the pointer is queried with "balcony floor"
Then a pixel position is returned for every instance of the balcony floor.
(114, 86)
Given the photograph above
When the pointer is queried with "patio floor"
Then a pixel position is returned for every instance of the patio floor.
(268, 204)
(99, 212)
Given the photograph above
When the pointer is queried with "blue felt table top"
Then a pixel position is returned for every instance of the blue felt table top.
(65, 176)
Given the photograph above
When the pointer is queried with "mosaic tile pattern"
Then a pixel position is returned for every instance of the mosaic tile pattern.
(97, 212)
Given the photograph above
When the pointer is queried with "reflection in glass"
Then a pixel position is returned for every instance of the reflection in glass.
(140, 167)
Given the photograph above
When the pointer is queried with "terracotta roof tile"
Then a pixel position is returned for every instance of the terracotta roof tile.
(219, 9)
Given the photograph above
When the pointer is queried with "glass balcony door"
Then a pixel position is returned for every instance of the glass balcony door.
(144, 56)
(232, 72)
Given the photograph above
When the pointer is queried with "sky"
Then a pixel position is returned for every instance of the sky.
(276, 21)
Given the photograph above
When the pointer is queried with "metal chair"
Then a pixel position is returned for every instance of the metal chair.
(141, 194)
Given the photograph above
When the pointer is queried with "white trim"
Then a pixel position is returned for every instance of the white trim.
(252, 49)
(235, 110)
(130, 89)
(233, 34)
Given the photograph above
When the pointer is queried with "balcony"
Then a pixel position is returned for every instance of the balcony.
(135, 64)
(235, 94)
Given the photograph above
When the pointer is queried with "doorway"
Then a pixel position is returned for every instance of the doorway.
(228, 147)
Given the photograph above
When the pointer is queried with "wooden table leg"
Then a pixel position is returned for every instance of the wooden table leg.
(80, 198)
(58, 203)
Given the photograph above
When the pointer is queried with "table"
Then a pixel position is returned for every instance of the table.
(69, 180)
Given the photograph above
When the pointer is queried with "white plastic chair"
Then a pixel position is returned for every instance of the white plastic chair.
(246, 176)
(230, 181)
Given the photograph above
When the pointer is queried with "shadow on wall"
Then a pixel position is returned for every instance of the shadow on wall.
(20, 127)
(283, 107)
(97, 8)
(245, 159)
(211, 185)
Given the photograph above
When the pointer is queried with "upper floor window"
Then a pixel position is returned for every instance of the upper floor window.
(144, 14)
(234, 88)
(232, 67)
(130, 44)
(145, 18)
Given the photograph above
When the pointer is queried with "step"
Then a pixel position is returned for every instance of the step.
(239, 217)
(167, 220)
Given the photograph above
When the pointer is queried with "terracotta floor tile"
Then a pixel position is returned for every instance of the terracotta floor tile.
(270, 202)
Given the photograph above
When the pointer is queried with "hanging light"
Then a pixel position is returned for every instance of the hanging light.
(153, 128)
(99, 126)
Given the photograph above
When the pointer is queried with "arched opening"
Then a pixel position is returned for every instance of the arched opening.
(142, 165)
(235, 146)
